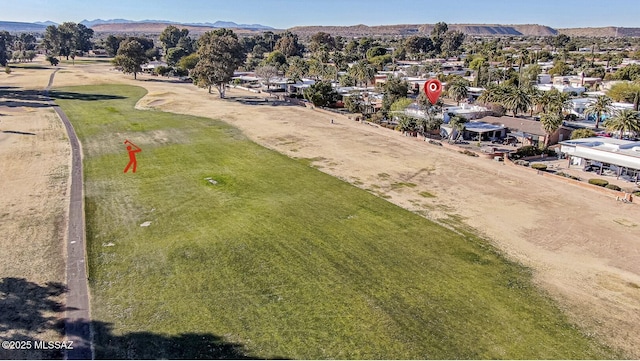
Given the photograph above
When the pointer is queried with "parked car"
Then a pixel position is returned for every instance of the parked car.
(510, 139)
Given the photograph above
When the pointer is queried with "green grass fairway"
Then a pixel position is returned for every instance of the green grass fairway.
(279, 260)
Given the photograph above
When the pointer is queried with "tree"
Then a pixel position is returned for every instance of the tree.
(5, 39)
(376, 51)
(298, 68)
(220, 54)
(172, 37)
(288, 45)
(112, 44)
(347, 80)
(559, 68)
(276, 58)
(516, 100)
(322, 40)
(626, 92)
(550, 122)
(458, 125)
(353, 103)
(173, 55)
(625, 120)
(131, 56)
(451, 43)
(629, 72)
(582, 133)
(437, 35)
(267, 72)
(457, 89)
(67, 39)
(362, 72)
(321, 94)
(400, 105)
(394, 88)
(418, 45)
(602, 105)
(176, 44)
(188, 62)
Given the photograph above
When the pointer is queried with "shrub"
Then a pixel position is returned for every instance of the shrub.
(562, 174)
(636, 193)
(598, 182)
(469, 153)
(7, 69)
(539, 166)
(613, 186)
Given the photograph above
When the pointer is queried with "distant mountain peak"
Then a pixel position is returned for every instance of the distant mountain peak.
(217, 24)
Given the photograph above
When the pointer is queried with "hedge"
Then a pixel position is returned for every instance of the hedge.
(598, 182)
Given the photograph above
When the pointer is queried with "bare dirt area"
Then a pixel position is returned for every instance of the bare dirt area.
(34, 171)
(583, 247)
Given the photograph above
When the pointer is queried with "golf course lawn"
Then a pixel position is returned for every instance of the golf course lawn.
(279, 260)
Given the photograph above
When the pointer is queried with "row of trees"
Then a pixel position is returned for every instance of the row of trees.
(19, 48)
(68, 40)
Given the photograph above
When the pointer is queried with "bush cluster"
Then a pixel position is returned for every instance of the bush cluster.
(598, 182)
(469, 153)
(562, 174)
(539, 166)
(530, 151)
(613, 186)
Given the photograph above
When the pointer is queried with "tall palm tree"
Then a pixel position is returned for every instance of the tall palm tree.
(602, 105)
(537, 100)
(517, 100)
(625, 120)
(457, 89)
(362, 72)
(550, 122)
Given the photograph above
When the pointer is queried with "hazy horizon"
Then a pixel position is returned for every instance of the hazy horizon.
(283, 14)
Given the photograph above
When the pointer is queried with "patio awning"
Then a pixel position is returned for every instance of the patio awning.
(610, 158)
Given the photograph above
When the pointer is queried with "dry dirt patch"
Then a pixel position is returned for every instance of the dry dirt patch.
(34, 170)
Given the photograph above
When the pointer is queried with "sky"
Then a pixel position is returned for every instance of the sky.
(282, 14)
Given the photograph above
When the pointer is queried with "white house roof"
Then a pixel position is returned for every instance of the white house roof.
(482, 127)
(619, 152)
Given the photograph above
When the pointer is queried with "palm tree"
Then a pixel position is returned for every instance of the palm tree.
(457, 122)
(493, 94)
(537, 100)
(550, 123)
(517, 100)
(602, 105)
(457, 89)
(362, 72)
(625, 120)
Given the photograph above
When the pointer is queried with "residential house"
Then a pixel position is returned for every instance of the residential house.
(528, 132)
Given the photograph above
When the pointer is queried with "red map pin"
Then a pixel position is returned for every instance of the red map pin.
(433, 88)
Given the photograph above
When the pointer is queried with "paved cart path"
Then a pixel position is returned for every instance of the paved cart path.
(77, 321)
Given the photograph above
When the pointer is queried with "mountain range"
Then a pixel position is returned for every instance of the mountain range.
(156, 26)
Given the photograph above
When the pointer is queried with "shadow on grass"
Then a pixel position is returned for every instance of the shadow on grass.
(13, 97)
(28, 66)
(28, 309)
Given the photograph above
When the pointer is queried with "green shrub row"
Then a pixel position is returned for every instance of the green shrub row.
(539, 166)
(598, 182)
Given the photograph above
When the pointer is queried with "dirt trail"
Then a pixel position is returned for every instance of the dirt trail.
(584, 247)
